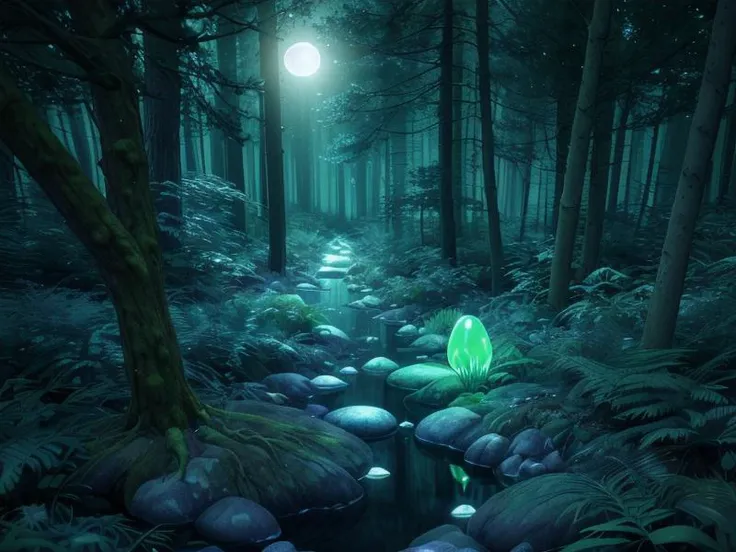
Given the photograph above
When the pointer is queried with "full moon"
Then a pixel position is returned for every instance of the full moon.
(302, 59)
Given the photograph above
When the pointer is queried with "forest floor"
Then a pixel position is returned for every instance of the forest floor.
(645, 438)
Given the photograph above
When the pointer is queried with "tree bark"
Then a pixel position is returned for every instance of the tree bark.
(80, 139)
(361, 188)
(729, 152)
(233, 162)
(398, 171)
(10, 203)
(577, 156)
(387, 191)
(190, 157)
(270, 63)
(526, 179)
(670, 162)
(488, 145)
(448, 243)
(120, 232)
(162, 109)
(376, 182)
(618, 154)
(599, 170)
(650, 173)
(634, 161)
(659, 328)
(341, 199)
(457, 125)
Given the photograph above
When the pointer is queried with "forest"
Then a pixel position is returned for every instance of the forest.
(367, 276)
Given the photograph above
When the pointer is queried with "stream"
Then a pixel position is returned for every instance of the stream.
(416, 492)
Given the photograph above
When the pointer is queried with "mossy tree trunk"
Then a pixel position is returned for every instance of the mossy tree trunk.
(120, 232)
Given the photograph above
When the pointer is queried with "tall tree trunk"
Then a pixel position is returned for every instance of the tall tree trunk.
(448, 244)
(341, 195)
(361, 188)
(577, 156)
(488, 145)
(162, 109)
(376, 182)
(659, 328)
(81, 141)
(634, 161)
(457, 124)
(539, 200)
(650, 174)
(670, 162)
(399, 143)
(303, 154)
(526, 180)
(202, 151)
(618, 153)
(190, 157)
(600, 165)
(274, 174)
(10, 204)
(729, 152)
(233, 163)
(387, 192)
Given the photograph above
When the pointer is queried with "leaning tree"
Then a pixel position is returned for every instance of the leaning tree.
(121, 233)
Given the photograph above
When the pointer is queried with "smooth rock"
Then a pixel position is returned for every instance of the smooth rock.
(430, 343)
(280, 546)
(327, 329)
(530, 468)
(416, 376)
(407, 330)
(511, 465)
(454, 428)
(554, 462)
(295, 386)
(239, 521)
(306, 286)
(372, 301)
(536, 511)
(327, 384)
(370, 423)
(316, 410)
(488, 451)
(450, 534)
(173, 500)
(531, 443)
(379, 366)
(348, 371)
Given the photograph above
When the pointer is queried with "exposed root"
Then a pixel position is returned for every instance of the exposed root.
(177, 445)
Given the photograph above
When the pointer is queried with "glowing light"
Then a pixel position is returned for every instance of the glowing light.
(302, 59)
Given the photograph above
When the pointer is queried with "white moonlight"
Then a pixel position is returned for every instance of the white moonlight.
(302, 59)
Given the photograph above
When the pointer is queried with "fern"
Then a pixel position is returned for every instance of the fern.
(38, 452)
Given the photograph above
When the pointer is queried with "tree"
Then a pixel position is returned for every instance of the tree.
(448, 230)
(577, 156)
(659, 328)
(120, 233)
(599, 169)
(162, 110)
(487, 145)
(272, 135)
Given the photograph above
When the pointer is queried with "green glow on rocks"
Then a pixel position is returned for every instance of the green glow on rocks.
(470, 352)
